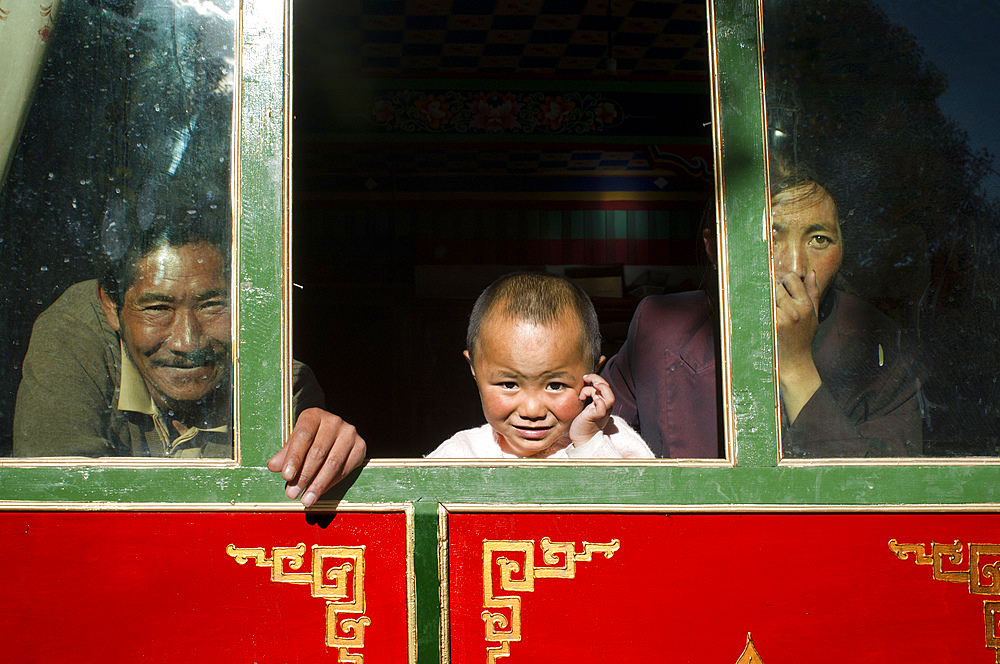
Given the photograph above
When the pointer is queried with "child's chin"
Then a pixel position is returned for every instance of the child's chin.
(531, 447)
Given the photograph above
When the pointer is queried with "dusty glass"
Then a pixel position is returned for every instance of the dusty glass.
(117, 225)
(885, 226)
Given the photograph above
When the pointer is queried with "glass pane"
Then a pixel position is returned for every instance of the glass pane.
(884, 187)
(116, 229)
(438, 151)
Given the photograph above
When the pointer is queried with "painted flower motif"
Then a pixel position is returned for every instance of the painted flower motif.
(495, 113)
(384, 112)
(605, 113)
(433, 110)
(45, 32)
(555, 112)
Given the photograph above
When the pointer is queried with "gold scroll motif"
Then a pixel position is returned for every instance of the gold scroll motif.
(984, 581)
(749, 655)
(499, 628)
(342, 586)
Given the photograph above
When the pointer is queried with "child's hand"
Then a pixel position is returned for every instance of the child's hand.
(593, 418)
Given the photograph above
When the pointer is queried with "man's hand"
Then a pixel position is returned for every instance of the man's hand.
(593, 418)
(321, 450)
(797, 319)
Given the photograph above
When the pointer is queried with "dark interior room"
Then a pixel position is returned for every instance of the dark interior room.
(440, 144)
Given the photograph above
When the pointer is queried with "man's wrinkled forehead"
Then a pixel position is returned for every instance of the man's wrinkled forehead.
(157, 261)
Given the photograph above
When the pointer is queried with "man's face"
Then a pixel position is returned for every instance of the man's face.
(806, 235)
(175, 323)
(529, 378)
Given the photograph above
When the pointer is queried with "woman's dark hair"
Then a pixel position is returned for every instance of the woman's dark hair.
(784, 176)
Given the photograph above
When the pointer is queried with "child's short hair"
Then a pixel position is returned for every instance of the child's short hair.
(538, 298)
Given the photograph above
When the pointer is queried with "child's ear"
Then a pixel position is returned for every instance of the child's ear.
(468, 358)
(600, 364)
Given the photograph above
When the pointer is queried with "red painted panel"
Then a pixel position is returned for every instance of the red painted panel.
(688, 588)
(161, 587)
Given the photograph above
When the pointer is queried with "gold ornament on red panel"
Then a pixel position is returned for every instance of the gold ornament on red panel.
(500, 630)
(749, 654)
(972, 573)
(342, 586)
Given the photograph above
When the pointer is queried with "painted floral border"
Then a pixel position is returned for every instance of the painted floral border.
(495, 112)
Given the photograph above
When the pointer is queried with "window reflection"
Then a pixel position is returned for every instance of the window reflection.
(882, 102)
(122, 173)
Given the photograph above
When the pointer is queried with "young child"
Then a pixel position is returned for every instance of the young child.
(534, 346)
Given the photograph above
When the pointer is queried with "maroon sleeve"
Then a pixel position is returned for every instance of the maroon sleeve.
(664, 377)
(869, 403)
(823, 429)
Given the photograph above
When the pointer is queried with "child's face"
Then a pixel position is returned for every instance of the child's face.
(529, 378)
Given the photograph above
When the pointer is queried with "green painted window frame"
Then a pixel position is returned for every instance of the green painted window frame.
(754, 475)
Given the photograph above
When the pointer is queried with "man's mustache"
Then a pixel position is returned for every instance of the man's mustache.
(189, 359)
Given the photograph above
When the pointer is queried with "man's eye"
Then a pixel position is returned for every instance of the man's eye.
(156, 307)
(821, 241)
(214, 304)
(555, 387)
(508, 386)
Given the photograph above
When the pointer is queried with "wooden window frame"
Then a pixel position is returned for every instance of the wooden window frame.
(753, 476)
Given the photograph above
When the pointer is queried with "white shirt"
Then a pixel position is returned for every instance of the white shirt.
(617, 441)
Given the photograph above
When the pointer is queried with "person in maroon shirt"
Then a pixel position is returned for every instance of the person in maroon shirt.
(848, 386)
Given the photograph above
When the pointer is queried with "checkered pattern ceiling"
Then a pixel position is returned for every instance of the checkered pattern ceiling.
(356, 60)
(547, 38)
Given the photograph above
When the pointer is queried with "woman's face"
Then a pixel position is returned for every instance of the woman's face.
(806, 235)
